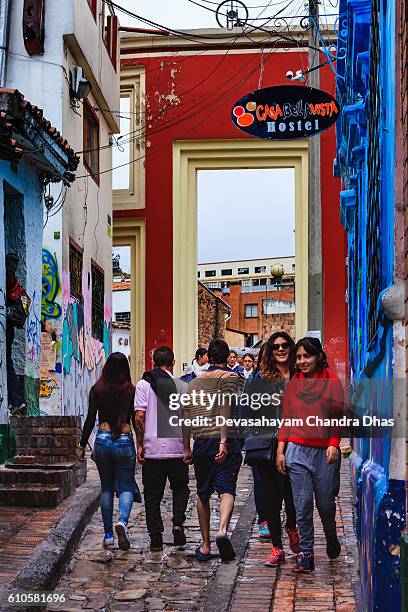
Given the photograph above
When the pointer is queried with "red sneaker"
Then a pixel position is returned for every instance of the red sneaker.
(294, 541)
(276, 558)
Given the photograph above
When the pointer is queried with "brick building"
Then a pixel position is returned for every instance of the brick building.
(259, 314)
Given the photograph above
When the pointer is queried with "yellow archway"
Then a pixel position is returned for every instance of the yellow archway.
(188, 158)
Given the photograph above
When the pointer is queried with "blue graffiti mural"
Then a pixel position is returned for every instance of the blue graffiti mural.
(51, 285)
(364, 161)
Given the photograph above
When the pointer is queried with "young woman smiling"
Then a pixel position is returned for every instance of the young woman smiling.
(274, 373)
(312, 457)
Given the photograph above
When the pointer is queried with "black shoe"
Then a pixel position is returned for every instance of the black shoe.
(179, 535)
(156, 543)
(305, 563)
(333, 547)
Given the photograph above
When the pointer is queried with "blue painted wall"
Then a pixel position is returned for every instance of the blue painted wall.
(380, 500)
(25, 178)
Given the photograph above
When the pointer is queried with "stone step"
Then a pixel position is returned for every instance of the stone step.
(33, 496)
(40, 466)
(35, 476)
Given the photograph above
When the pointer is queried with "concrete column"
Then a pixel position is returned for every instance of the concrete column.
(315, 302)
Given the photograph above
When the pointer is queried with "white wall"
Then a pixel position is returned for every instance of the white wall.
(120, 302)
(73, 38)
(121, 341)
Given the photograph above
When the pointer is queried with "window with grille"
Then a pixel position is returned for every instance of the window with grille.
(91, 141)
(75, 270)
(374, 175)
(260, 269)
(122, 317)
(98, 292)
(243, 270)
(251, 311)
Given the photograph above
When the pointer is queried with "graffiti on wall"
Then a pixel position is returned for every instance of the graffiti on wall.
(50, 338)
(51, 286)
(82, 358)
(33, 334)
(3, 399)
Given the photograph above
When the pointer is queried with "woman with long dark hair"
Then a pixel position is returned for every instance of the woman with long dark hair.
(312, 457)
(111, 399)
(275, 370)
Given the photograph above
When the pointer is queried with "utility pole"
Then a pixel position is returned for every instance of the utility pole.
(315, 295)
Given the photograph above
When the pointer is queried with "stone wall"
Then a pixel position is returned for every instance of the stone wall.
(279, 322)
(212, 316)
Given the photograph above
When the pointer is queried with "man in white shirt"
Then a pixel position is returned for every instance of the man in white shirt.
(161, 458)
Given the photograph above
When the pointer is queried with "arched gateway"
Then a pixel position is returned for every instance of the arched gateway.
(180, 94)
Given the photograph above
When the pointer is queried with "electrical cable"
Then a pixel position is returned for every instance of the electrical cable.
(172, 122)
(166, 107)
(219, 101)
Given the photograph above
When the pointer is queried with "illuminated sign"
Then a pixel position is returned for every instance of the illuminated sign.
(285, 112)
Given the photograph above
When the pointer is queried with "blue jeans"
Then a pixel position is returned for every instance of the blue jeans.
(116, 463)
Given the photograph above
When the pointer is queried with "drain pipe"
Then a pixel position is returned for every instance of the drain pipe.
(5, 10)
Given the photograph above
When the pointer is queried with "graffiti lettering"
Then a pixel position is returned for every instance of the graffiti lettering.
(33, 333)
(51, 286)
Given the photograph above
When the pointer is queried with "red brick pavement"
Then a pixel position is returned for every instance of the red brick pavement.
(22, 529)
(331, 587)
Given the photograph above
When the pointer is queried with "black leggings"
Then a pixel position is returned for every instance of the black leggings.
(275, 489)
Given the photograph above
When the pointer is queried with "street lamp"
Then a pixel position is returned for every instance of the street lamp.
(277, 271)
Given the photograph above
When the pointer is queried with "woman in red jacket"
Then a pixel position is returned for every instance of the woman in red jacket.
(313, 401)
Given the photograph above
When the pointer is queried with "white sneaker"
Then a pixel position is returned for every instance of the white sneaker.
(123, 535)
(108, 541)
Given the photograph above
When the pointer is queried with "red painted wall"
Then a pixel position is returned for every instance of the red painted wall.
(190, 97)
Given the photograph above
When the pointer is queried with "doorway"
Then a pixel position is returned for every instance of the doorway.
(129, 301)
(191, 157)
(246, 255)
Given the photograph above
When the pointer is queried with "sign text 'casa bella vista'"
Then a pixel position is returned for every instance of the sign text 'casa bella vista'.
(285, 112)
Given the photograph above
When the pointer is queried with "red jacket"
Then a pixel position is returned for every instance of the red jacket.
(315, 398)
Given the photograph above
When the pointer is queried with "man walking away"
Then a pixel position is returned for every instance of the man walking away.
(216, 458)
(161, 458)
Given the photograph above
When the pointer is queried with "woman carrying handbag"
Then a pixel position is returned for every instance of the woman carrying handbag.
(111, 399)
(274, 373)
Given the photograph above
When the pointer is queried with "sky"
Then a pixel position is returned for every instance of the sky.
(245, 214)
(182, 14)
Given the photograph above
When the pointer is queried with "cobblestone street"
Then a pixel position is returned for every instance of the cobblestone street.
(174, 580)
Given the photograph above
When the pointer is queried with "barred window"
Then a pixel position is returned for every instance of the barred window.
(98, 292)
(122, 317)
(75, 270)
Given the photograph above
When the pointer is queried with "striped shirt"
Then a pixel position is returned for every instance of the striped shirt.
(214, 393)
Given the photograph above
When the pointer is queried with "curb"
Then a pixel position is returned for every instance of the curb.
(218, 594)
(46, 565)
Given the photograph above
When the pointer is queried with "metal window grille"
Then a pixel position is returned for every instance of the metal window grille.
(75, 272)
(122, 317)
(98, 291)
(374, 175)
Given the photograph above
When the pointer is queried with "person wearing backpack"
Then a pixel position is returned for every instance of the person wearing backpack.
(17, 307)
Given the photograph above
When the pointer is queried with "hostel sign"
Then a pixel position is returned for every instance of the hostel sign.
(285, 112)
